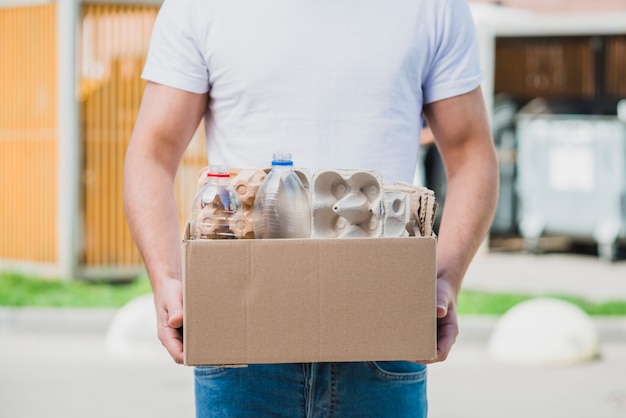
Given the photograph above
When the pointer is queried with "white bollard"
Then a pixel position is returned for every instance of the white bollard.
(132, 333)
(544, 332)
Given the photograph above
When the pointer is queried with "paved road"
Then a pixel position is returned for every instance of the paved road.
(471, 385)
(579, 275)
(61, 375)
(72, 375)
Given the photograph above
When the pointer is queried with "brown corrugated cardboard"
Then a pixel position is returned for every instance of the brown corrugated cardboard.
(309, 300)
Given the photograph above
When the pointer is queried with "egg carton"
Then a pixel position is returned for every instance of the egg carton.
(215, 223)
(396, 213)
(422, 207)
(353, 203)
(347, 203)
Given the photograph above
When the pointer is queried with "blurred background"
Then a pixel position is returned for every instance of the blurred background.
(70, 89)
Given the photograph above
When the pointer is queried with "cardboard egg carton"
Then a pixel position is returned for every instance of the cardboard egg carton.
(397, 213)
(246, 183)
(222, 225)
(353, 203)
(422, 207)
(346, 203)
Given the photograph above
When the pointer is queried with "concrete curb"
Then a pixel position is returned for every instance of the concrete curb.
(55, 320)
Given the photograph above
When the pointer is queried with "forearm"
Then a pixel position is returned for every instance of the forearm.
(470, 204)
(463, 135)
(166, 122)
(152, 216)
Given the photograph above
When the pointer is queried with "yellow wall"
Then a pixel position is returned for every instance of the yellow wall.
(28, 130)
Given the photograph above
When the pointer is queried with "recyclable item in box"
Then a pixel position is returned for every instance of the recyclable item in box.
(397, 210)
(309, 300)
(347, 203)
(246, 183)
(216, 211)
(357, 203)
(281, 206)
(423, 208)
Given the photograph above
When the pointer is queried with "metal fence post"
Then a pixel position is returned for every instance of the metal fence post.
(68, 140)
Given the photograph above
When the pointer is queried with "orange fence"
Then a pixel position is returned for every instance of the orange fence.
(28, 133)
(114, 40)
(112, 44)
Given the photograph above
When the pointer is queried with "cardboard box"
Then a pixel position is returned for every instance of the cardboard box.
(309, 300)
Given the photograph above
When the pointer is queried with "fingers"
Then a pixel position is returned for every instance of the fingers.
(447, 331)
(444, 298)
(447, 322)
(442, 311)
(173, 342)
(175, 319)
(446, 337)
(170, 318)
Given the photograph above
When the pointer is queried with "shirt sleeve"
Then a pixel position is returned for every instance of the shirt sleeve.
(175, 56)
(455, 68)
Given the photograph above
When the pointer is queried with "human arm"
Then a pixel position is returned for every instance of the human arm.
(165, 124)
(461, 130)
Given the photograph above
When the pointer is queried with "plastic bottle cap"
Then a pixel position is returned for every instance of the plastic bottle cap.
(218, 170)
(282, 162)
(282, 158)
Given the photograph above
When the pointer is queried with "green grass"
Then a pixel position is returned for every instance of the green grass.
(485, 303)
(18, 290)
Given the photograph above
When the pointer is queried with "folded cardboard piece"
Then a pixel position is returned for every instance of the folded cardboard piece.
(309, 300)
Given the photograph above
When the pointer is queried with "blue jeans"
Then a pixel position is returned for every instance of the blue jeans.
(366, 389)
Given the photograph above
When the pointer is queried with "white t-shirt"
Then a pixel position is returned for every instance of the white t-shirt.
(338, 83)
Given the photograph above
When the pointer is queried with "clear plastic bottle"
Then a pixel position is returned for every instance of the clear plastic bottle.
(215, 209)
(281, 207)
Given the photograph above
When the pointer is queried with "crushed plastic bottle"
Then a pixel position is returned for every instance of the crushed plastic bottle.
(281, 207)
(216, 210)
